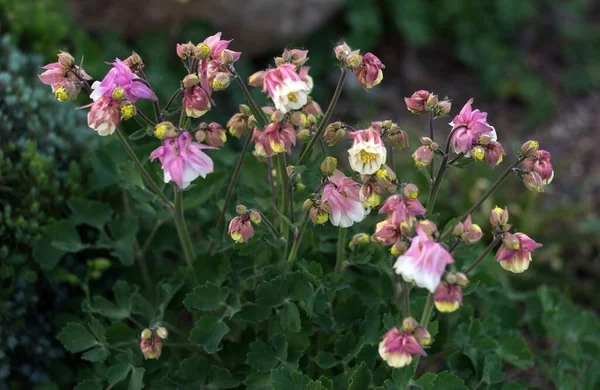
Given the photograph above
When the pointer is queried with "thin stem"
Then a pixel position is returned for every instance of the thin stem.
(455, 159)
(326, 117)
(431, 178)
(283, 180)
(440, 175)
(153, 232)
(297, 240)
(290, 189)
(143, 171)
(271, 181)
(453, 247)
(405, 293)
(184, 236)
(392, 158)
(145, 118)
(181, 118)
(269, 225)
(323, 146)
(426, 317)
(236, 173)
(154, 102)
(257, 111)
(487, 193)
(487, 250)
(169, 103)
(85, 83)
(341, 247)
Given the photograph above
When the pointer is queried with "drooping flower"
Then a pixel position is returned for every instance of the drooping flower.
(286, 87)
(212, 133)
(533, 181)
(104, 115)
(541, 164)
(417, 102)
(514, 254)
(424, 262)
(183, 160)
(151, 344)
(318, 211)
(278, 137)
(238, 124)
(370, 71)
(61, 77)
(241, 229)
(196, 101)
(123, 80)
(448, 297)
(342, 195)
(468, 126)
(368, 152)
(398, 347)
(334, 133)
(406, 208)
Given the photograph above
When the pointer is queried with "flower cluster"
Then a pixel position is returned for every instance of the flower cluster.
(65, 77)
(240, 227)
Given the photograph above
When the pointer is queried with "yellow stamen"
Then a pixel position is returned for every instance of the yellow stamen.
(62, 94)
(118, 93)
(292, 97)
(366, 157)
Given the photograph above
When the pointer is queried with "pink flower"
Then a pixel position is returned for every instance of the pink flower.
(368, 153)
(218, 46)
(343, 196)
(241, 229)
(151, 347)
(60, 75)
(213, 134)
(423, 156)
(424, 262)
(121, 76)
(402, 207)
(183, 160)
(277, 138)
(514, 254)
(104, 115)
(370, 71)
(196, 101)
(493, 153)
(398, 347)
(468, 232)
(540, 163)
(417, 102)
(470, 124)
(288, 89)
(448, 297)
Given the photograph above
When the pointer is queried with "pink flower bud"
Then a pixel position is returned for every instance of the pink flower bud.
(277, 116)
(190, 80)
(409, 324)
(238, 125)
(342, 51)
(134, 61)
(448, 297)
(370, 71)
(396, 137)
(220, 81)
(471, 232)
(295, 56)
(529, 148)
(540, 164)
(499, 217)
(354, 60)
(423, 156)
(66, 60)
(422, 336)
(241, 209)
(416, 103)
(215, 134)
(313, 108)
(255, 217)
(278, 137)
(385, 180)
(185, 50)
(151, 347)
(196, 101)
(442, 108)
(494, 153)
(257, 79)
(240, 229)
(411, 191)
(533, 181)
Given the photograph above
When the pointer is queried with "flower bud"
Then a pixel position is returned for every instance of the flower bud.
(399, 248)
(426, 141)
(533, 181)
(385, 180)
(164, 130)
(409, 324)
(257, 79)
(319, 214)
(61, 94)
(423, 156)
(238, 125)
(295, 56)
(240, 229)
(359, 239)
(411, 191)
(241, 209)
(303, 135)
(185, 50)
(353, 60)
(146, 334)
(329, 165)
(313, 108)
(244, 110)
(277, 116)
(429, 228)
(448, 297)
(422, 336)
(255, 217)
(298, 119)
(416, 103)
(213, 134)
(221, 81)
(472, 235)
(334, 133)
(442, 108)
(307, 204)
(342, 51)
(458, 230)
(398, 139)
(499, 217)
(127, 110)
(66, 60)
(485, 139)
(478, 153)
(461, 279)
(432, 101)
(227, 57)
(450, 278)
(529, 148)
(510, 241)
(162, 332)
(201, 51)
(190, 80)
(134, 61)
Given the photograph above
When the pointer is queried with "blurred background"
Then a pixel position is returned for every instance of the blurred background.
(534, 66)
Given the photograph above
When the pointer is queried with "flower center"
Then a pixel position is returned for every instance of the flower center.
(366, 157)
(292, 97)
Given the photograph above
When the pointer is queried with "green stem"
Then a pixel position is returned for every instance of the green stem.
(283, 207)
(145, 118)
(184, 236)
(487, 250)
(297, 240)
(269, 225)
(155, 105)
(341, 247)
(143, 171)
(256, 110)
(326, 117)
(169, 103)
(440, 175)
(431, 169)
(405, 293)
(426, 317)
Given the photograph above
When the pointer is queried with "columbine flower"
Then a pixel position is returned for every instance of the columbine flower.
(514, 254)
(467, 231)
(406, 208)
(424, 262)
(540, 163)
(61, 77)
(370, 71)
(238, 125)
(533, 181)
(318, 211)
(334, 133)
(473, 124)
(104, 115)
(241, 229)
(417, 102)
(183, 160)
(398, 347)
(215, 48)
(368, 152)
(294, 56)
(286, 88)
(493, 153)
(499, 218)
(122, 79)
(448, 297)
(196, 101)
(276, 138)
(213, 134)
(342, 195)
(151, 344)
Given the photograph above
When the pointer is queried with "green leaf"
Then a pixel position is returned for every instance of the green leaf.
(136, 382)
(258, 381)
(514, 350)
(76, 338)
(290, 317)
(141, 133)
(141, 306)
(514, 385)
(207, 297)
(88, 384)
(117, 373)
(96, 355)
(90, 212)
(213, 269)
(208, 332)
(441, 381)
(221, 378)
(46, 254)
(124, 226)
(273, 292)
(284, 378)
(361, 378)
(449, 225)
(193, 370)
(64, 236)
(263, 357)
(165, 291)
(254, 313)
(326, 360)
(401, 377)
(130, 174)
(492, 369)
(119, 333)
(425, 382)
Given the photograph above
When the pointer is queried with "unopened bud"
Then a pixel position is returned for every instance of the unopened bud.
(442, 108)
(257, 79)
(62, 94)
(399, 248)
(423, 156)
(185, 50)
(241, 209)
(359, 239)
(277, 116)
(450, 278)
(472, 235)
(342, 51)
(461, 279)
(298, 119)
(397, 138)
(307, 204)
(485, 139)
(409, 324)
(162, 332)
(190, 80)
(134, 61)
(146, 334)
(221, 81)
(529, 148)
(422, 336)
(353, 60)
(499, 217)
(458, 230)
(165, 130)
(255, 217)
(303, 135)
(313, 108)
(295, 56)
(245, 110)
(416, 103)
(478, 153)
(329, 165)
(533, 181)
(127, 110)
(511, 241)
(200, 136)
(411, 191)
(432, 101)
(334, 133)
(66, 60)
(201, 51)
(320, 214)
(227, 57)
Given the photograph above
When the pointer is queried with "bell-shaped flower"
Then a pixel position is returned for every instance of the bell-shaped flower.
(288, 90)
(121, 76)
(398, 347)
(541, 164)
(343, 196)
(448, 297)
(241, 229)
(468, 126)
(368, 153)
(370, 71)
(278, 137)
(514, 254)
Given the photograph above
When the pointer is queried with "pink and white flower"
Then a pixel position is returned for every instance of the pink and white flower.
(448, 297)
(343, 196)
(278, 137)
(424, 262)
(121, 76)
(183, 160)
(61, 74)
(196, 101)
(541, 164)
(104, 115)
(370, 71)
(368, 153)
(288, 89)
(404, 208)
(468, 125)
(241, 229)
(514, 254)
(398, 347)
(218, 46)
